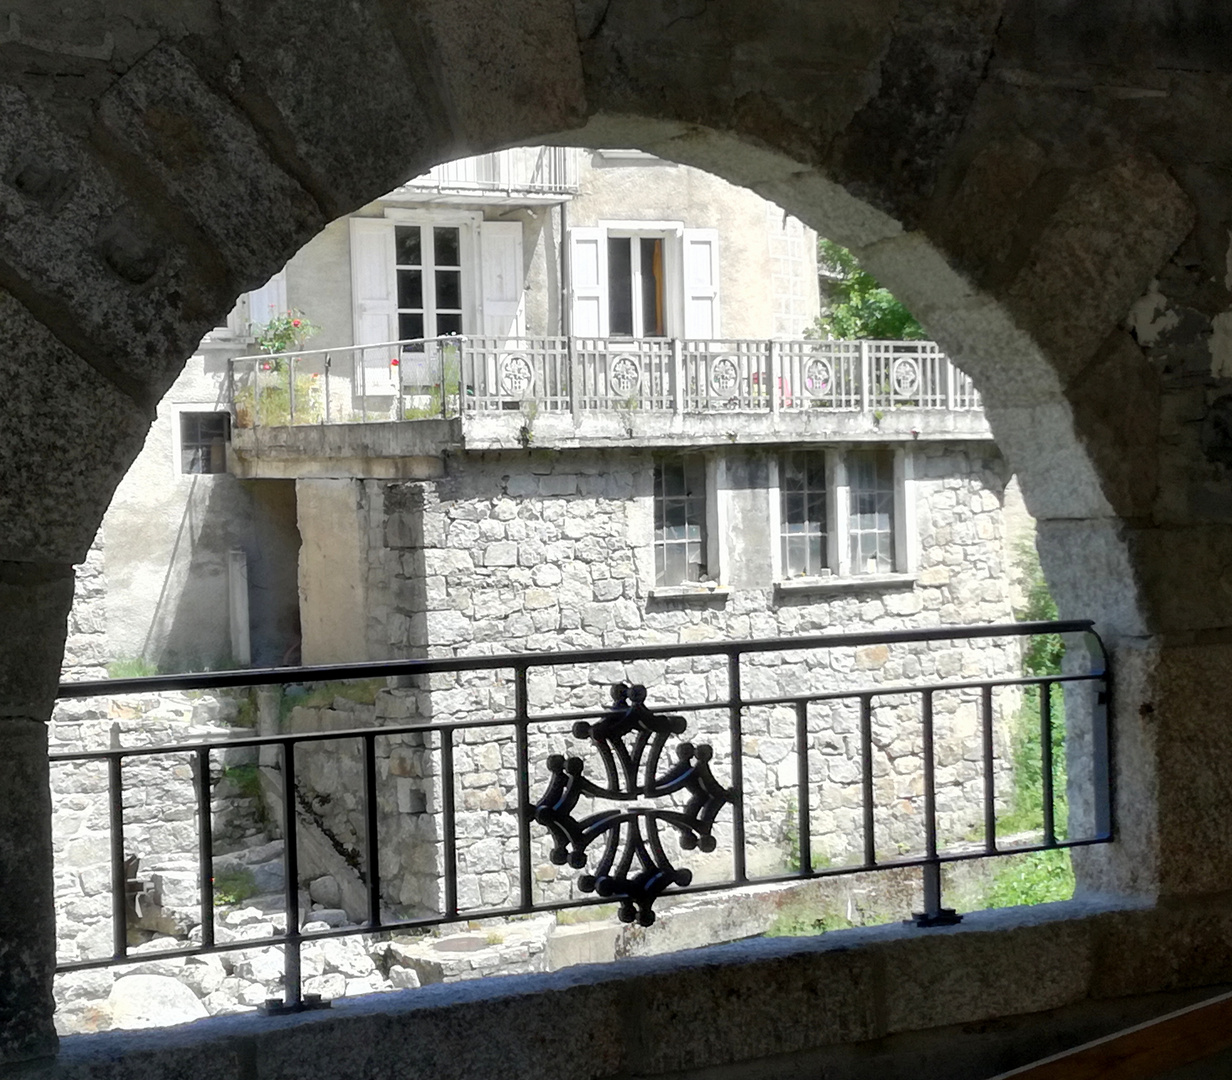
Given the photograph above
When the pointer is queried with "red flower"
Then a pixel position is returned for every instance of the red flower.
(295, 322)
(265, 367)
(394, 362)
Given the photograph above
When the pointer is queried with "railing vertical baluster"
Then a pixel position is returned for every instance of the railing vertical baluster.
(575, 382)
(523, 780)
(256, 394)
(866, 379)
(363, 384)
(866, 777)
(398, 378)
(291, 950)
(119, 879)
(803, 829)
(371, 837)
(736, 727)
(326, 417)
(679, 377)
(950, 375)
(990, 793)
(1101, 764)
(448, 826)
(774, 374)
(1050, 830)
(933, 914)
(205, 846)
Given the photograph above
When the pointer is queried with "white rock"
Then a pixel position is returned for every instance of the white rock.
(404, 978)
(260, 965)
(328, 986)
(142, 1001)
(347, 957)
(331, 916)
(243, 916)
(203, 974)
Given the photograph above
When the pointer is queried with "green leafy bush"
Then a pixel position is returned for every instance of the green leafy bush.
(234, 885)
(859, 306)
(1039, 877)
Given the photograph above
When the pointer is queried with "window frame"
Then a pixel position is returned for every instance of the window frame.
(672, 235)
(467, 223)
(842, 575)
(179, 445)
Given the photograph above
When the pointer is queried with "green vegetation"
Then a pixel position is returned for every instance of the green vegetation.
(246, 778)
(1039, 877)
(593, 913)
(233, 885)
(131, 667)
(791, 840)
(800, 921)
(859, 307)
(1042, 656)
(267, 402)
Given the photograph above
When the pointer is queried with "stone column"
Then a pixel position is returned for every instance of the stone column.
(34, 603)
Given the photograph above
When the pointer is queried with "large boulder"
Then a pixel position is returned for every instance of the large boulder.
(142, 1001)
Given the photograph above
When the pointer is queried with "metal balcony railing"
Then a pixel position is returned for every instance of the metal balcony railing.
(450, 376)
(533, 170)
(630, 798)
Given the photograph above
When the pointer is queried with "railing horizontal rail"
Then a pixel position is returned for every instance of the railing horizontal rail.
(213, 680)
(634, 811)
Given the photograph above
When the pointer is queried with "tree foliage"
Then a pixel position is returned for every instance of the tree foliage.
(859, 307)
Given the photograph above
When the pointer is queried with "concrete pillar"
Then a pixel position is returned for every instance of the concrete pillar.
(34, 604)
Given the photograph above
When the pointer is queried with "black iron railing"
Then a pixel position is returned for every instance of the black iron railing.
(643, 758)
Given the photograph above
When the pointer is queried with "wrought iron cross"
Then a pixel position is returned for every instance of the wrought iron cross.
(633, 833)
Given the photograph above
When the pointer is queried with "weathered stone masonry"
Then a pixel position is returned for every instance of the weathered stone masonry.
(531, 551)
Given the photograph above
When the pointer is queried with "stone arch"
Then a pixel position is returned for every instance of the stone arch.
(1041, 222)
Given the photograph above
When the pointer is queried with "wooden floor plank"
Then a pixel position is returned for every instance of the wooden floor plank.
(1144, 1051)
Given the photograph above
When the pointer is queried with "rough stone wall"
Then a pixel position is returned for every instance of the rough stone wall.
(159, 820)
(85, 647)
(531, 552)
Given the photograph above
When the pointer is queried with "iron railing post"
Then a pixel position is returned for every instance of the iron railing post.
(933, 914)
(205, 845)
(119, 878)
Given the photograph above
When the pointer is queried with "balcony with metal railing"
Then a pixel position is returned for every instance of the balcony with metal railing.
(662, 795)
(496, 392)
(524, 173)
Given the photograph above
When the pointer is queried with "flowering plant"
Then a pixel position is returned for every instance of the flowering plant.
(284, 332)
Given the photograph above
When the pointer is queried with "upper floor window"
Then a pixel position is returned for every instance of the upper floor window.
(203, 442)
(680, 520)
(804, 521)
(644, 280)
(637, 293)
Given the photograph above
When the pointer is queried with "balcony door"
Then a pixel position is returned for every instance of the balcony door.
(418, 274)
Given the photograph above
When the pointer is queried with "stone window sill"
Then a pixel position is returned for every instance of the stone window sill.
(855, 583)
(686, 593)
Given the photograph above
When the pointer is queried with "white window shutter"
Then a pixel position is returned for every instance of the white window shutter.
(500, 250)
(268, 301)
(375, 301)
(588, 282)
(701, 284)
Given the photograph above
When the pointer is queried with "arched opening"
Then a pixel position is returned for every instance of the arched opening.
(1119, 503)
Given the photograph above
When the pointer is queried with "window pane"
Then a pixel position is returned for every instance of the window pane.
(696, 563)
(410, 326)
(410, 288)
(407, 247)
(449, 289)
(619, 286)
(795, 561)
(447, 248)
(448, 324)
(793, 508)
(675, 564)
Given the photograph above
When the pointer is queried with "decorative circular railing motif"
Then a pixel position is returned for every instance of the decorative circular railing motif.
(517, 377)
(905, 377)
(725, 377)
(624, 375)
(819, 377)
